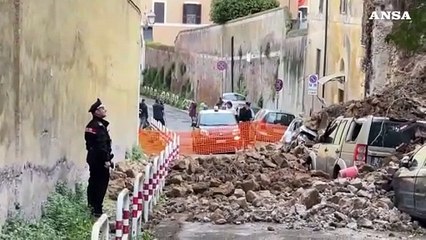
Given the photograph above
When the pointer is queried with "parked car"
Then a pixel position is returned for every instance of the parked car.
(216, 131)
(236, 99)
(270, 125)
(409, 184)
(296, 134)
(349, 141)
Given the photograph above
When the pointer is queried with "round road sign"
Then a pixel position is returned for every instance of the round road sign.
(221, 65)
(313, 78)
(279, 85)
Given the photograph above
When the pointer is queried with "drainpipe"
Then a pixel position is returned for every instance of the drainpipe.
(232, 64)
(325, 39)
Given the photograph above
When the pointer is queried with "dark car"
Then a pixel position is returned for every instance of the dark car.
(409, 184)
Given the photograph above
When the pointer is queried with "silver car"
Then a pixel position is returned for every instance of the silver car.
(409, 184)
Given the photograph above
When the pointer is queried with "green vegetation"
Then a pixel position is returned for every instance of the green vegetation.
(160, 46)
(65, 217)
(226, 10)
(136, 154)
(411, 35)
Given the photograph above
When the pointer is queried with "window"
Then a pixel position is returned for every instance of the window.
(330, 133)
(240, 97)
(389, 134)
(279, 118)
(341, 95)
(159, 10)
(318, 62)
(217, 119)
(321, 6)
(191, 13)
(354, 132)
(343, 6)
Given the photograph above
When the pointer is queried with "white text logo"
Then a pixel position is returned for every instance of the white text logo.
(390, 15)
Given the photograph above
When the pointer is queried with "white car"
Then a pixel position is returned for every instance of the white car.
(291, 132)
(236, 99)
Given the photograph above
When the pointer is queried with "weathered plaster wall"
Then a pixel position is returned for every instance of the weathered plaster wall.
(55, 61)
(344, 50)
(262, 53)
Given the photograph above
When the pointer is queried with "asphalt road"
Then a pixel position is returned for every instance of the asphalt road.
(176, 119)
(179, 121)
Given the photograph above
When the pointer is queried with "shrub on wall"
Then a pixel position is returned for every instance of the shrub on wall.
(226, 10)
(65, 217)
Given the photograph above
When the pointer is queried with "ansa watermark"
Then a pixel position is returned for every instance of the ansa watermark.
(390, 15)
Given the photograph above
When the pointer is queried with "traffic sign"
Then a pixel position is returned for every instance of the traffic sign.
(313, 85)
(279, 85)
(221, 65)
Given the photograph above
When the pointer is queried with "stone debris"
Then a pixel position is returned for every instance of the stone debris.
(271, 186)
(123, 176)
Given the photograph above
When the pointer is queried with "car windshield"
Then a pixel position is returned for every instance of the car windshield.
(390, 134)
(217, 119)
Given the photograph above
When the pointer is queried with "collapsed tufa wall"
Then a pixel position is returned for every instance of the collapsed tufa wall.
(54, 64)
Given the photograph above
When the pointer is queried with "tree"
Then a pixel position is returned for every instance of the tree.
(411, 35)
(226, 10)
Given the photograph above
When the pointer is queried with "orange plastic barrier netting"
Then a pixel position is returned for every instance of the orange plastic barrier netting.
(216, 140)
(151, 141)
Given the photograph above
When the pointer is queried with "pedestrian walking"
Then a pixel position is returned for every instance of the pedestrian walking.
(193, 113)
(143, 114)
(158, 112)
(99, 157)
(245, 115)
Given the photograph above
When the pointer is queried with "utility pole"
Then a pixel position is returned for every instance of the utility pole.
(232, 64)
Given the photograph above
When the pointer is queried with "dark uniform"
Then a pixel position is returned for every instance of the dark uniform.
(158, 112)
(98, 145)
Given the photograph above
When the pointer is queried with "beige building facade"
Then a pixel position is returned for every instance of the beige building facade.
(173, 16)
(334, 50)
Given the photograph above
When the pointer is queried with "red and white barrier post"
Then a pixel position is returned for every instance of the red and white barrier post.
(122, 221)
(155, 176)
(147, 192)
(100, 230)
(137, 205)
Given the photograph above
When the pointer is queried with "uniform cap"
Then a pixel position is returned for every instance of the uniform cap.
(95, 106)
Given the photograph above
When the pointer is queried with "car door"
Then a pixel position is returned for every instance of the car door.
(349, 141)
(324, 149)
(405, 185)
(335, 148)
(420, 182)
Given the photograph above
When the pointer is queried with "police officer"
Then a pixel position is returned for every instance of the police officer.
(99, 157)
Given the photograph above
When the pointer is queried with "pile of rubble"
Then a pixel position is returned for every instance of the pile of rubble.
(123, 176)
(270, 186)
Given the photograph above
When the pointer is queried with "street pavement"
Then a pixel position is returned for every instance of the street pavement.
(176, 119)
(179, 121)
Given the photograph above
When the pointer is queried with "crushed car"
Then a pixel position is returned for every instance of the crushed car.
(349, 142)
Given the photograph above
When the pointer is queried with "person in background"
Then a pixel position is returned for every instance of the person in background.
(219, 104)
(158, 111)
(193, 113)
(99, 157)
(246, 113)
(143, 114)
(228, 105)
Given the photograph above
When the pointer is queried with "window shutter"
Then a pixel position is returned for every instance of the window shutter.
(198, 14)
(184, 13)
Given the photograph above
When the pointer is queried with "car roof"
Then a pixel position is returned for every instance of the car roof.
(276, 111)
(220, 111)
